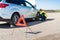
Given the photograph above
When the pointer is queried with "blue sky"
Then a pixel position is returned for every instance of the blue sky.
(48, 4)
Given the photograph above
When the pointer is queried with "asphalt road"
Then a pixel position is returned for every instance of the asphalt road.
(33, 31)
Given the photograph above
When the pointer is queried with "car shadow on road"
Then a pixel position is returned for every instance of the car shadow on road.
(37, 22)
(5, 25)
(30, 23)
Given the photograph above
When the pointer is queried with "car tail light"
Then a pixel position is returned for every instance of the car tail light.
(3, 5)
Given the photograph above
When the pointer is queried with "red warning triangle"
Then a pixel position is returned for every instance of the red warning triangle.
(21, 22)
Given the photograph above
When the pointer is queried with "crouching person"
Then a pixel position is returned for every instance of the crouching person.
(43, 15)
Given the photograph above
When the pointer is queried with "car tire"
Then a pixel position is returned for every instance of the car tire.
(14, 19)
(37, 17)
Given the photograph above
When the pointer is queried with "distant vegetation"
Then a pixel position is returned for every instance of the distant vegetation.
(52, 10)
(57, 10)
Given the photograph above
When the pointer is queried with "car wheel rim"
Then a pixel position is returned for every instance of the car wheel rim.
(15, 19)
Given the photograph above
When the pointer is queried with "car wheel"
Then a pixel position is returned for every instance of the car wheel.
(14, 19)
(37, 17)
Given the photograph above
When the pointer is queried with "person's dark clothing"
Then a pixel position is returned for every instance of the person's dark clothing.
(43, 17)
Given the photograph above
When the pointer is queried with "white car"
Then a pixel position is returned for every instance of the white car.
(13, 9)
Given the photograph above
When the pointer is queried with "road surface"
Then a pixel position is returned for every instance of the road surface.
(36, 30)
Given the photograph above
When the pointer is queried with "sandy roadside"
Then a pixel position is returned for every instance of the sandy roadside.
(50, 37)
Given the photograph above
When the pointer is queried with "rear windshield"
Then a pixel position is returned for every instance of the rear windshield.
(0, 0)
(16, 1)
